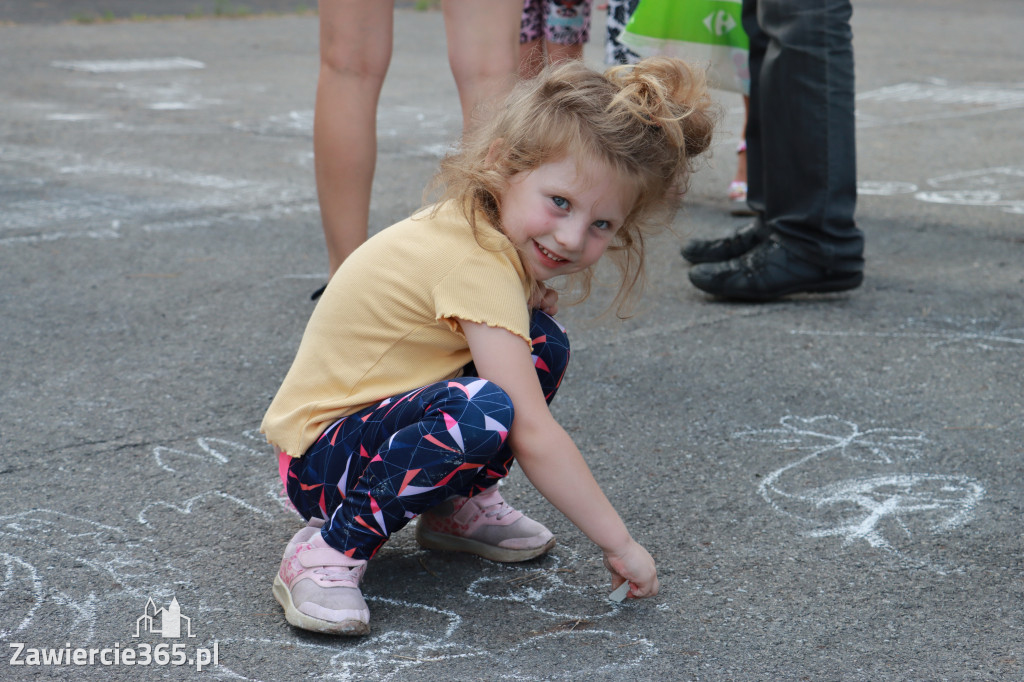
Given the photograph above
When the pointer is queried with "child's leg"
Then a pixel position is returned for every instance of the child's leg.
(531, 31)
(484, 524)
(566, 29)
(374, 471)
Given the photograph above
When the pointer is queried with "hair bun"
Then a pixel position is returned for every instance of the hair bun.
(671, 94)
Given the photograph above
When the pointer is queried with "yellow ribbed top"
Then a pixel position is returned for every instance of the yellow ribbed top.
(386, 323)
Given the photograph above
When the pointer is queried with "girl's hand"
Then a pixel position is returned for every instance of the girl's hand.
(545, 299)
(635, 565)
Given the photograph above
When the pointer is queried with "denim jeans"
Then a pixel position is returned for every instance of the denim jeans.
(801, 147)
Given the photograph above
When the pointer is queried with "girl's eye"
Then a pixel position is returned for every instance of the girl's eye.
(560, 202)
(602, 225)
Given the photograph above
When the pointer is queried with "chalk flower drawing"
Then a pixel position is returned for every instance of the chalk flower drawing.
(855, 485)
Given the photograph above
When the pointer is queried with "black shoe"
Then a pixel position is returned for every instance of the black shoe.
(318, 293)
(770, 271)
(719, 250)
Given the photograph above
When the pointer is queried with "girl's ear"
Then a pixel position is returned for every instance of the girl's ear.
(495, 152)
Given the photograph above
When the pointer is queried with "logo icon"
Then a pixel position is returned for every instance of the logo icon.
(164, 622)
(719, 23)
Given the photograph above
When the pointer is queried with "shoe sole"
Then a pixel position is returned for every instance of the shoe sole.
(831, 287)
(301, 620)
(452, 543)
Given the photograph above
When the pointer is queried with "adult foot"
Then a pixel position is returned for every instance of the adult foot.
(727, 248)
(770, 271)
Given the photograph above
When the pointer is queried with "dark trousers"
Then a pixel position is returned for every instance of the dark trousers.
(801, 147)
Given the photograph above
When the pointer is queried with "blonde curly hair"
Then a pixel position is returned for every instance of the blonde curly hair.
(648, 122)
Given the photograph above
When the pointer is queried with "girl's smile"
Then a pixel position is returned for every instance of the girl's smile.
(562, 217)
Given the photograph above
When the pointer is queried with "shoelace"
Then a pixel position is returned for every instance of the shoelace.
(337, 574)
(503, 510)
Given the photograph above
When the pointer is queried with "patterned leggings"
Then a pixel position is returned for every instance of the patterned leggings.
(563, 22)
(373, 471)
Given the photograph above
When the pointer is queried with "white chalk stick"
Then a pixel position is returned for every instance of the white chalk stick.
(620, 593)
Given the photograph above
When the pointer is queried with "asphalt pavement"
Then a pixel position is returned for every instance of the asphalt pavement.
(832, 486)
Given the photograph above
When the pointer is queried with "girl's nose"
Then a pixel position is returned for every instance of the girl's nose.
(571, 235)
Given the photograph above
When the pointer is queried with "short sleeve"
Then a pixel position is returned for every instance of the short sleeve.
(485, 288)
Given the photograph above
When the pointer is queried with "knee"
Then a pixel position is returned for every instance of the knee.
(354, 60)
(478, 415)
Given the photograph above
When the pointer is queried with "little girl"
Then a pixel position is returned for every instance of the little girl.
(427, 367)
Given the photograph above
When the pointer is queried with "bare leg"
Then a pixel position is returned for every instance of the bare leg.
(738, 187)
(531, 59)
(534, 56)
(355, 51)
(558, 52)
(483, 49)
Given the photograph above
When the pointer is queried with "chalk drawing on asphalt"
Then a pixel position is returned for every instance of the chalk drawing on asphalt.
(407, 633)
(905, 103)
(984, 334)
(428, 635)
(403, 131)
(43, 547)
(1001, 187)
(885, 188)
(196, 463)
(36, 215)
(117, 566)
(130, 65)
(397, 655)
(21, 594)
(859, 485)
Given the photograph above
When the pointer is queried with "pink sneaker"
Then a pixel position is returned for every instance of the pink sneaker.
(485, 525)
(318, 586)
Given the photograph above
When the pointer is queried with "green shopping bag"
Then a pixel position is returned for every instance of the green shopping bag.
(706, 32)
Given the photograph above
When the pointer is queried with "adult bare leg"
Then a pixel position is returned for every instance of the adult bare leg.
(355, 51)
(483, 49)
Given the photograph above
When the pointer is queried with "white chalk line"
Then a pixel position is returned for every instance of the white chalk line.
(185, 507)
(431, 134)
(261, 201)
(52, 532)
(982, 98)
(10, 583)
(215, 452)
(386, 654)
(118, 230)
(533, 591)
(75, 117)
(115, 567)
(392, 654)
(208, 452)
(985, 341)
(129, 65)
(1000, 187)
(395, 654)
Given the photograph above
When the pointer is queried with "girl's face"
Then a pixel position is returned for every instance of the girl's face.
(563, 218)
